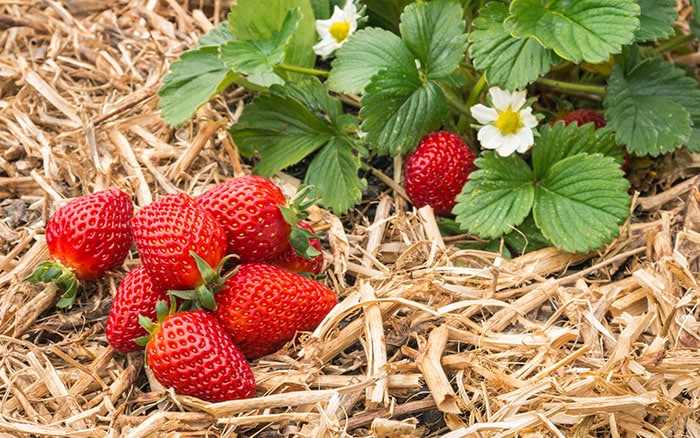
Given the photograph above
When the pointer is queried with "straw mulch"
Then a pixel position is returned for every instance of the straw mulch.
(428, 340)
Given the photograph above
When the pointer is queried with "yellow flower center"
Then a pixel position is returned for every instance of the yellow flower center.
(509, 122)
(339, 30)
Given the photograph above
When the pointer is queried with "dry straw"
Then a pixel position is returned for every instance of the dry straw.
(429, 339)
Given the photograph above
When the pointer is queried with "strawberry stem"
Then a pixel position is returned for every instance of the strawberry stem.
(53, 271)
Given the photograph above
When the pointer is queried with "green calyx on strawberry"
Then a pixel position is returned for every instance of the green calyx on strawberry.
(307, 262)
(86, 237)
(436, 171)
(300, 237)
(191, 352)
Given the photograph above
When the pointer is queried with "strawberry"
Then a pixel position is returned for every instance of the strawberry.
(248, 209)
(179, 243)
(191, 353)
(291, 260)
(263, 306)
(137, 295)
(436, 171)
(581, 116)
(86, 237)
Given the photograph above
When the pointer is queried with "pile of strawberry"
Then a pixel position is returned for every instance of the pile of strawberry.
(221, 279)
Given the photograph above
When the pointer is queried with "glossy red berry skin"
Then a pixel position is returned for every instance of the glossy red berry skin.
(137, 295)
(191, 353)
(436, 171)
(290, 260)
(248, 209)
(91, 234)
(263, 306)
(165, 232)
(581, 116)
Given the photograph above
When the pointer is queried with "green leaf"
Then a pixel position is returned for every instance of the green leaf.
(333, 172)
(260, 56)
(656, 19)
(434, 33)
(247, 23)
(398, 109)
(561, 141)
(526, 237)
(509, 62)
(581, 202)
(497, 197)
(288, 124)
(281, 129)
(385, 13)
(363, 55)
(219, 35)
(577, 30)
(193, 80)
(651, 105)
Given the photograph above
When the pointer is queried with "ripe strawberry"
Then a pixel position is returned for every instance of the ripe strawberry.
(581, 116)
(291, 260)
(248, 209)
(436, 171)
(191, 353)
(137, 295)
(168, 231)
(262, 306)
(86, 237)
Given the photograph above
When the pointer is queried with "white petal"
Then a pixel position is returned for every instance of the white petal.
(527, 118)
(501, 99)
(350, 11)
(509, 144)
(326, 46)
(525, 139)
(338, 14)
(518, 99)
(484, 114)
(322, 27)
(490, 137)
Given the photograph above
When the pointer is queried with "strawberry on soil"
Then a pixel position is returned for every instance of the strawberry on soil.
(167, 231)
(263, 306)
(86, 237)
(191, 353)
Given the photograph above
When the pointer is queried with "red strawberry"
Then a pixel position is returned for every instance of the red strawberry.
(248, 209)
(263, 306)
(291, 260)
(86, 237)
(168, 231)
(581, 116)
(436, 171)
(191, 353)
(137, 295)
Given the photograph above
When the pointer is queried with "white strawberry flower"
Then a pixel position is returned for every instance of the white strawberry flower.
(507, 127)
(337, 29)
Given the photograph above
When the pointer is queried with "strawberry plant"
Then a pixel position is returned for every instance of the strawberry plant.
(338, 84)
(86, 237)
